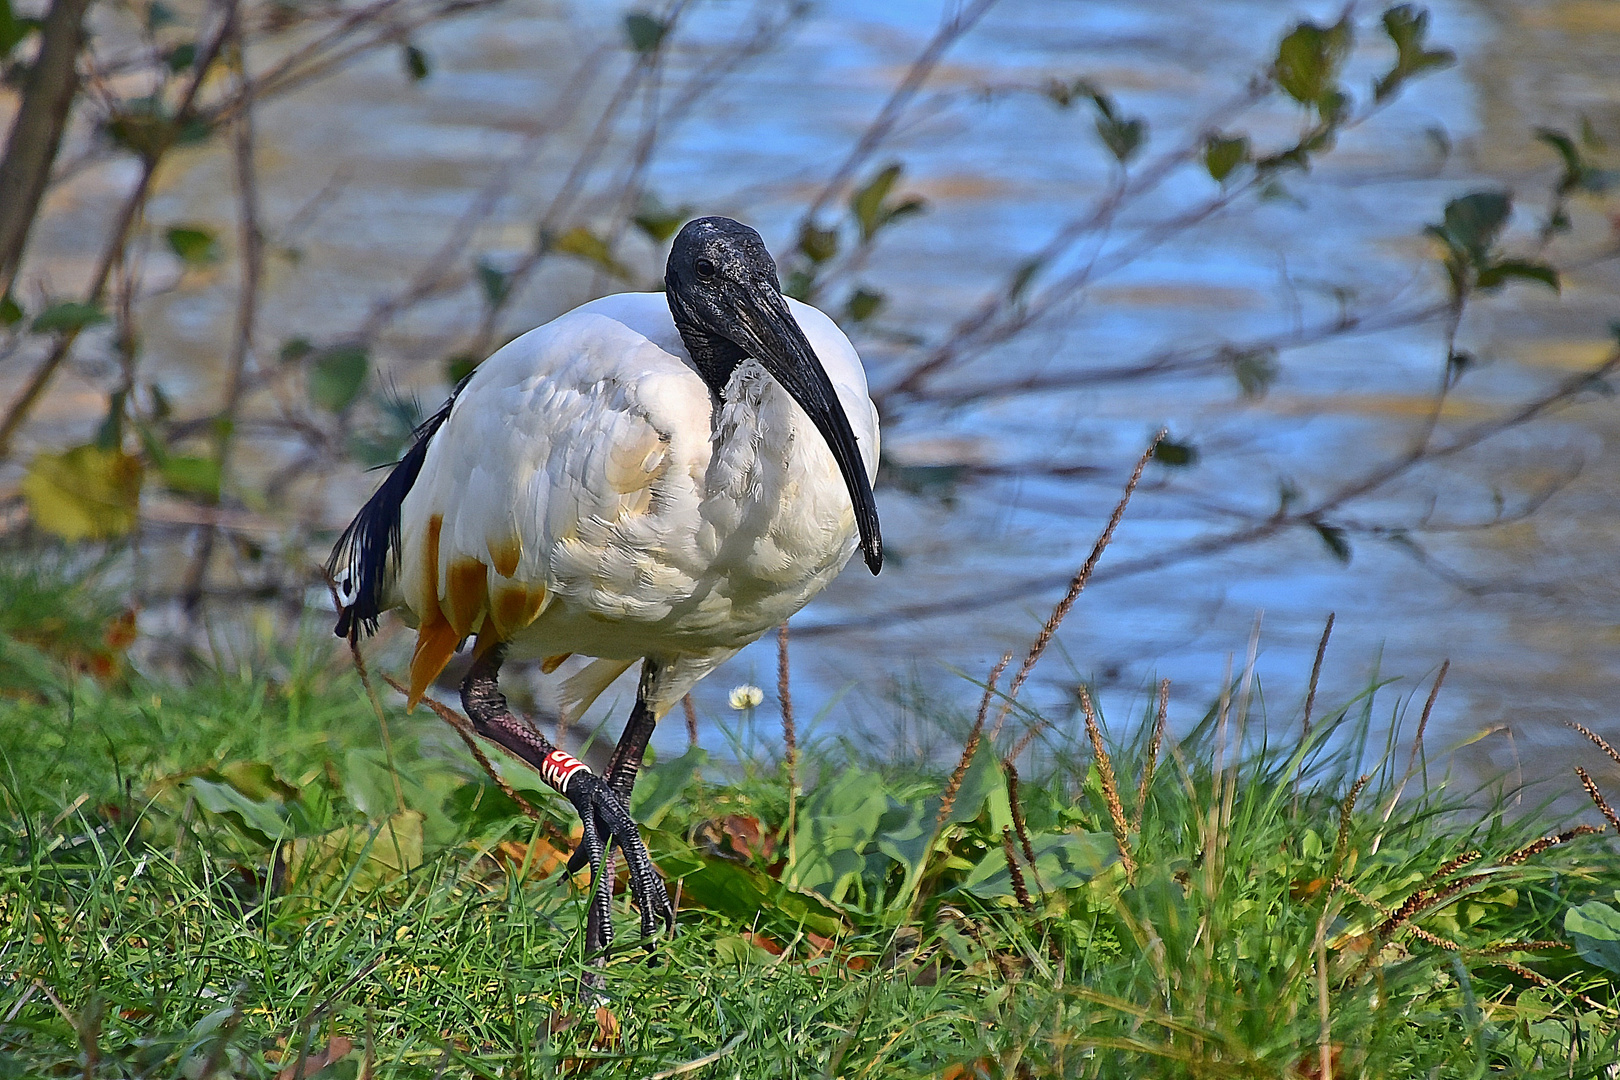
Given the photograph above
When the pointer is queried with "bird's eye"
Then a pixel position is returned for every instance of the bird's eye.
(704, 268)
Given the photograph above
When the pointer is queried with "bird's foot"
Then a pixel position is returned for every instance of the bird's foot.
(605, 815)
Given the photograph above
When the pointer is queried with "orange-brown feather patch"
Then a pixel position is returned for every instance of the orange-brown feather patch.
(466, 588)
(430, 571)
(552, 663)
(436, 642)
(515, 607)
(504, 555)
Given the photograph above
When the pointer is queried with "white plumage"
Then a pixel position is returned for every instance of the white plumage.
(587, 494)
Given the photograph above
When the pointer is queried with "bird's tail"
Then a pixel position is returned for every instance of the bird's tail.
(361, 564)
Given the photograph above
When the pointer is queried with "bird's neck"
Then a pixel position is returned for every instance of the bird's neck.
(714, 356)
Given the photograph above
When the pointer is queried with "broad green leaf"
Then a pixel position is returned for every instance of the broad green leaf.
(662, 786)
(1335, 538)
(336, 376)
(863, 304)
(1595, 926)
(983, 788)
(1062, 861)
(740, 891)
(416, 63)
(836, 823)
(259, 818)
(83, 493)
(1308, 61)
(585, 244)
(195, 245)
(11, 313)
(1223, 154)
(68, 316)
(644, 31)
(191, 476)
(1505, 270)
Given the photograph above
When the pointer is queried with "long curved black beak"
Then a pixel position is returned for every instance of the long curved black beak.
(768, 332)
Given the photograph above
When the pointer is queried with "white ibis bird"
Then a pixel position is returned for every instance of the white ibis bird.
(648, 477)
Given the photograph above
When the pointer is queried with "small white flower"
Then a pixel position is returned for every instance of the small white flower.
(746, 696)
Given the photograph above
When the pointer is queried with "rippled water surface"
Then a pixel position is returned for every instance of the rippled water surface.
(1525, 611)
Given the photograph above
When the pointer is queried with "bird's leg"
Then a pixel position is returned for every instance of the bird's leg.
(604, 813)
(621, 777)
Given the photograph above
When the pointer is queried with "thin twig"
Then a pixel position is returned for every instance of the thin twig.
(1597, 739)
(690, 709)
(790, 739)
(465, 730)
(250, 238)
(1076, 586)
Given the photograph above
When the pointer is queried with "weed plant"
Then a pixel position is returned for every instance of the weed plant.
(228, 878)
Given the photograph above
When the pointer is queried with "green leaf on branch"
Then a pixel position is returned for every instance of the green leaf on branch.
(11, 312)
(817, 245)
(494, 281)
(657, 221)
(1176, 455)
(1474, 221)
(195, 245)
(1123, 136)
(582, 243)
(1335, 538)
(644, 31)
(1308, 63)
(68, 317)
(863, 304)
(870, 207)
(145, 126)
(1500, 273)
(1223, 154)
(416, 63)
(84, 493)
(336, 376)
(1407, 26)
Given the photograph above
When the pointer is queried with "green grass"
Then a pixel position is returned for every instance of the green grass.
(219, 878)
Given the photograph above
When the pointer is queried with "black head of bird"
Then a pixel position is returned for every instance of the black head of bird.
(727, 303)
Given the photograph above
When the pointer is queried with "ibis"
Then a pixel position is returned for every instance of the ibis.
(652, 477)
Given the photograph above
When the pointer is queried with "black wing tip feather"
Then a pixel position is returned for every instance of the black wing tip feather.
(359, 560)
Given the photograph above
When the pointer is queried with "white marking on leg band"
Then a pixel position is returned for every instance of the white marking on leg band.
(559, 768)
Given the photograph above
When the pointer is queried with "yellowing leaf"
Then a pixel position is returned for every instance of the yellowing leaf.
(85, 492)
(582, 242)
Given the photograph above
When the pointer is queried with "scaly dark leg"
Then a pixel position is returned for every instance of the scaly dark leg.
(621, 777)
(603, 811)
